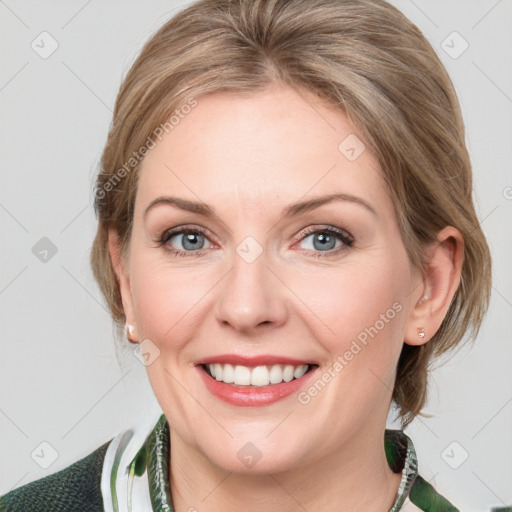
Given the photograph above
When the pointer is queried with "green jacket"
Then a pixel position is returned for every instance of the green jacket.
(90, 485)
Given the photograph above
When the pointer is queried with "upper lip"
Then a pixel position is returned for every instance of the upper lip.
(252, 360)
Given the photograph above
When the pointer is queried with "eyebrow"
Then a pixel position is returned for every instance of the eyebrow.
(290, 211)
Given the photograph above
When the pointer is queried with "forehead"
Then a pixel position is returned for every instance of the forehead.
(260, 147)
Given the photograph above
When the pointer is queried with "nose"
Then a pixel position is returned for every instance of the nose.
(252, 297)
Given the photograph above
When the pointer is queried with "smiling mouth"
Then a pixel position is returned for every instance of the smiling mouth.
(256, 376)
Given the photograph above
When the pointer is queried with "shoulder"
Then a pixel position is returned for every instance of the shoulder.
(415, 493)
(425, 497)
(74, 488)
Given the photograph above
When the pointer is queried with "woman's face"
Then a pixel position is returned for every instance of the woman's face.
(256, 279)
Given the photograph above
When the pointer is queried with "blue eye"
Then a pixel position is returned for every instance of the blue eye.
(322, 241)
(192, 240)
(326, 241)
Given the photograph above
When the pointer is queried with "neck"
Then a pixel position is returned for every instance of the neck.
(355, 476)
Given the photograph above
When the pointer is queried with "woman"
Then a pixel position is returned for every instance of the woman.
(286, 232)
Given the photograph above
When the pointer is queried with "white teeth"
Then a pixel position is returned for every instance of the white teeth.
(300, 371)
(218, 372)
(228, 374)
(242, 376)
(258, 375)
(276, 374)
(288, 373)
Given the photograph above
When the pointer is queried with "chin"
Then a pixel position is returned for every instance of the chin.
(257, 457)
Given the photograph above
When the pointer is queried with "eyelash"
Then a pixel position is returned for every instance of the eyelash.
(344, 236)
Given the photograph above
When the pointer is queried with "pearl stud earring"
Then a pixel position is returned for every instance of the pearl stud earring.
(129, 329)
(421, 332)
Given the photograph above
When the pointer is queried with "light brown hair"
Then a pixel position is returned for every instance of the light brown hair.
(363, 57)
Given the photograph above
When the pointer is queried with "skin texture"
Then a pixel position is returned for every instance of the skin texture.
(248, 157)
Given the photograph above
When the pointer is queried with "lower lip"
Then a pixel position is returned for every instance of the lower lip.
(253, 396)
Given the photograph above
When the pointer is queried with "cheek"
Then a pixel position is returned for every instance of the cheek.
(358, 305)
(166, 300)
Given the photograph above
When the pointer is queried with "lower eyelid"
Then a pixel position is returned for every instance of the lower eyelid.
(334, 252)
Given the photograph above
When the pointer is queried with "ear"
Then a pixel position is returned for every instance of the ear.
(439, 284)
(123, 279)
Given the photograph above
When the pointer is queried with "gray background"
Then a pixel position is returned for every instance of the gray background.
(61, 380)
